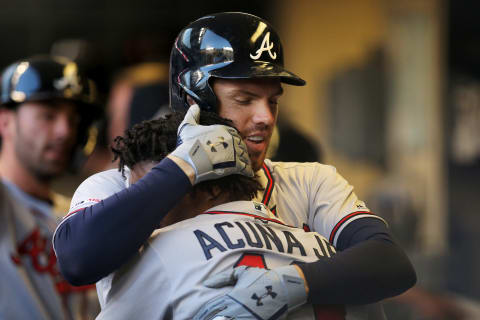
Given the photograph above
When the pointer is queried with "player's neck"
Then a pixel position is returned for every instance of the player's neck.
(193, 204)
(221, 199)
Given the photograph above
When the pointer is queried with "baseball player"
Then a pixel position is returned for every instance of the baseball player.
(46, 109)
(232, 63)
(222, 230)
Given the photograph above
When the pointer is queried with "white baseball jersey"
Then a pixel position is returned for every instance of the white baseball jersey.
(98, 187)
(304, 195)
(164, 281)
(310, 195)
(31, 284)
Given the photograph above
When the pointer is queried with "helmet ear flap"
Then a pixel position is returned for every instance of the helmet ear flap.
(177, 92)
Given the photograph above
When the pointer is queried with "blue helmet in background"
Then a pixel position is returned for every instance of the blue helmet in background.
(46, 78)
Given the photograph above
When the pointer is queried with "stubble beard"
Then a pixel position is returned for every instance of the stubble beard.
(257, 160)
(42, 169)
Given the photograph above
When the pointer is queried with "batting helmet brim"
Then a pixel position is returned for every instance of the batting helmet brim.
(258, 69)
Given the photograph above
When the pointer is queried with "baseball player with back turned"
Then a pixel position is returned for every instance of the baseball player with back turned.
(232, 63)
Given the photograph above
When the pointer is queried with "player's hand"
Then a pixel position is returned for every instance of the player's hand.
(257, 294)
(212, 151)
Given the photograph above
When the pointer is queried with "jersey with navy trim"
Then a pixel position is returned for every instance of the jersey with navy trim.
(31, 284)
(94, 189)
(164, 280)
(98, 187)
(301, 194)
(310, 194)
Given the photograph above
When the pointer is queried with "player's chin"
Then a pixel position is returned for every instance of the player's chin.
(54, 167)
(257, 160)
(49, 173)
(257, 153)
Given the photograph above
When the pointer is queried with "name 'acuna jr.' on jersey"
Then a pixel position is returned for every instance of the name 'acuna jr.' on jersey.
(257, 234)
(165, 279)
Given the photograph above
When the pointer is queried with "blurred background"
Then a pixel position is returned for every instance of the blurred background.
(392, 100)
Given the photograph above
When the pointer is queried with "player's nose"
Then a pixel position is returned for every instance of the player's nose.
(65, 124)
(264, 113)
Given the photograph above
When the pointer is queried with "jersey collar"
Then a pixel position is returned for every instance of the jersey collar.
(251, 208)
(266, 180)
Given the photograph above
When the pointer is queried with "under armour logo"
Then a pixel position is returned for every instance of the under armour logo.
(266, 294)
(266, 46)
(216, 144)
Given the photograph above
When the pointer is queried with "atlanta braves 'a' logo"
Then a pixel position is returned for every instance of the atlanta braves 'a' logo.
(70, 82)
(216, 144)
(266, 294)
(265, 46)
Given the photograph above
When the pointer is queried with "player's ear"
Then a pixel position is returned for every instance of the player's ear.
(6, 117)
(140, 169)
(211, 195)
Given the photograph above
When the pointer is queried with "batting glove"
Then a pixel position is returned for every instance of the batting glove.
(213, 151)
(257, 294)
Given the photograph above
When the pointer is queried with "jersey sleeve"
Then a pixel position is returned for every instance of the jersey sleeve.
(320, 196)
(96, 188)
(105, 228)
(332, 202)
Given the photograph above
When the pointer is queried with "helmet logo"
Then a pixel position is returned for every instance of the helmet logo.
(70, 82)
(66, 83)
(265, 46)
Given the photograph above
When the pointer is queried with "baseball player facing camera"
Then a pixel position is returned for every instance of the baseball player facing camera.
(47, 108)
(232, 64)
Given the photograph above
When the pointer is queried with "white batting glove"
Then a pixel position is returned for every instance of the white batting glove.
(212, 151)
(257, 294)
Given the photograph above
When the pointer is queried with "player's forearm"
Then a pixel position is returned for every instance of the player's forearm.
(368, 272)
(99, 239)
(186, 168)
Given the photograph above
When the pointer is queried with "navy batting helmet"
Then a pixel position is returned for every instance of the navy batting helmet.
(44, 78)
(229, 45)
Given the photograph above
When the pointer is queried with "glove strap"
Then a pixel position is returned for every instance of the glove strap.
(295, 286)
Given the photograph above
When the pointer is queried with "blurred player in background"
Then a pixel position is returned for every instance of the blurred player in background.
(232, 64)
(47, 108)
(137, 93)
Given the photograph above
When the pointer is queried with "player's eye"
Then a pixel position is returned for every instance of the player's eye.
(243, 101)
(47, 115)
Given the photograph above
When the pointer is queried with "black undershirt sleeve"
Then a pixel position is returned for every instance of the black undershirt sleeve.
(367, 268)
(98, 239)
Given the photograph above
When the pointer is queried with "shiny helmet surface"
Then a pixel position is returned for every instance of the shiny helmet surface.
(229, 45)
(45, 78)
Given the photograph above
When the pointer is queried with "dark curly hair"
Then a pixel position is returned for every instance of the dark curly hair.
(153, 140)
